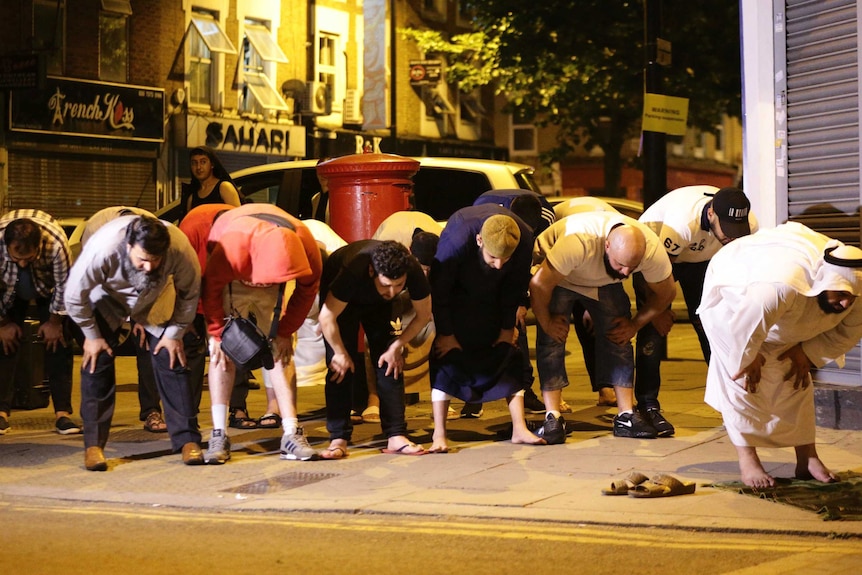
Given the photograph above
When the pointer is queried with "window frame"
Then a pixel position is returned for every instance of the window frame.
(116, 11)
(55, 58)
(327, 73)
(261, 54)
(205, 31)
(518, 122)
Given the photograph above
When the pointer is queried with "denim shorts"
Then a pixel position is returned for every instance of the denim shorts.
(614, 363)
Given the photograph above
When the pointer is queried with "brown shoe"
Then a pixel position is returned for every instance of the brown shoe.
(192, 454)
(94, 459)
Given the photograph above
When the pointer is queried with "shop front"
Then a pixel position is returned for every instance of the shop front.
(76, 146)
(238, 142)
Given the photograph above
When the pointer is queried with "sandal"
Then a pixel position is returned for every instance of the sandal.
(371, 414)
(244, 422)
(662, 486)
(155, 424)
(623, 485)
(406, 449)
(269, 421)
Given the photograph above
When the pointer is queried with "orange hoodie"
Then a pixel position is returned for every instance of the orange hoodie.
(255, 251)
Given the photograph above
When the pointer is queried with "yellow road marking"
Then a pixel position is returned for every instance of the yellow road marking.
(539, 531)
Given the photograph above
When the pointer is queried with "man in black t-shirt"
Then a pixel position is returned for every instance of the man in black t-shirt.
(359, 286)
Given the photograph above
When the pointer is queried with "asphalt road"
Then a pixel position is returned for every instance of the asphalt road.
(93, 539)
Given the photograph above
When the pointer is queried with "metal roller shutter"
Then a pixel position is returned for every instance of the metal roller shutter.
(78, 186)
(822, 137)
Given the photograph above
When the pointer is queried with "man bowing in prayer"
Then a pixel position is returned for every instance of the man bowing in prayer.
(776, 304)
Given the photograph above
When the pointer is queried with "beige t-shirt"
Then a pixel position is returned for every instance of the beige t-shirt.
(575, 247)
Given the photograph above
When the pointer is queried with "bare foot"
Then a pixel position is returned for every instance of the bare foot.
(527, 437)
(752, 471)
(813, 468)
(439, 445)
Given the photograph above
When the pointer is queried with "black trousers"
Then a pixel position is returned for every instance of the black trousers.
(58, 363)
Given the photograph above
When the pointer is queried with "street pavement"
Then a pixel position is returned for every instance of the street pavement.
(484, 477)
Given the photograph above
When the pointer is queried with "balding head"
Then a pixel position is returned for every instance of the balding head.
(624, 251)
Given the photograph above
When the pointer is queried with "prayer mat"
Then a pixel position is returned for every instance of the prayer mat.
(832, 501)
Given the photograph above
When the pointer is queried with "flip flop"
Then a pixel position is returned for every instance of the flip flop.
(622, 485)
(662, 486)
(400, 450)
(333, 453)
(433, 451)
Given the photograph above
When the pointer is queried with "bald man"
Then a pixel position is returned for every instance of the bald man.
(583, 259)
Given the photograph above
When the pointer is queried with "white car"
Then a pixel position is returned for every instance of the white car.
(440, 187)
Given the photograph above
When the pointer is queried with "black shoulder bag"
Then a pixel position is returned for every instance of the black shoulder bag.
(241, 339)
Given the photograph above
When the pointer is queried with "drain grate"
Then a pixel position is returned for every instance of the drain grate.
(280, 483)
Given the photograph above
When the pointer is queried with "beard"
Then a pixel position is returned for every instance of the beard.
(610, 270)
(140, 279)
(484, 267)
(827, 307)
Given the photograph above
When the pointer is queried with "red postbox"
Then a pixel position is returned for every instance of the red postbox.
(365, 189)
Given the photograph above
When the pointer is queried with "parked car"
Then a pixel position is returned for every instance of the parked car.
(440, 187)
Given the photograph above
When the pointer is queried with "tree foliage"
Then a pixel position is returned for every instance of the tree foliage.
(574, 62)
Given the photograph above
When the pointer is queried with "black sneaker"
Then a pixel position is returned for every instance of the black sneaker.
(633, 425)
(4, 425)
(662, 426)
(411, 398)
(533, 404)
(65, 426)
(553, 430)
(472, 411)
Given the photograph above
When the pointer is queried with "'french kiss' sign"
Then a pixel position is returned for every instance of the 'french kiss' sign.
(94, 109)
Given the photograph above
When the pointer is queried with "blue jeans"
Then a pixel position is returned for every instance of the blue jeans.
(651, 346)
(614, 364)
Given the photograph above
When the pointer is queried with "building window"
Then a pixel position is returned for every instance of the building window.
(522, 135)
(720, 143)
(471, 108)
(260, 55)
(327, 52)
(114, 40)
(434, 7)
(207, 41)
(49, 37)
(464, 14)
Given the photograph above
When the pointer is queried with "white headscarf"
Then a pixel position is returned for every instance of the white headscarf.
(790, 254)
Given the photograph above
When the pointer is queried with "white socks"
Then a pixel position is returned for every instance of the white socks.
(219, 414)
(289, 425)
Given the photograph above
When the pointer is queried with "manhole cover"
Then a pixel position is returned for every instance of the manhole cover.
(280, 483)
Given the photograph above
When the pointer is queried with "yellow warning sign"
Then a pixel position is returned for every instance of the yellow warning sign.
(666, 114)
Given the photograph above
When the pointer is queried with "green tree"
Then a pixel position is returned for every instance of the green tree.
(579, 65)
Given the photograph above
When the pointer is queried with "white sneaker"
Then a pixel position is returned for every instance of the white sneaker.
(218, 449)
(295, 446)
